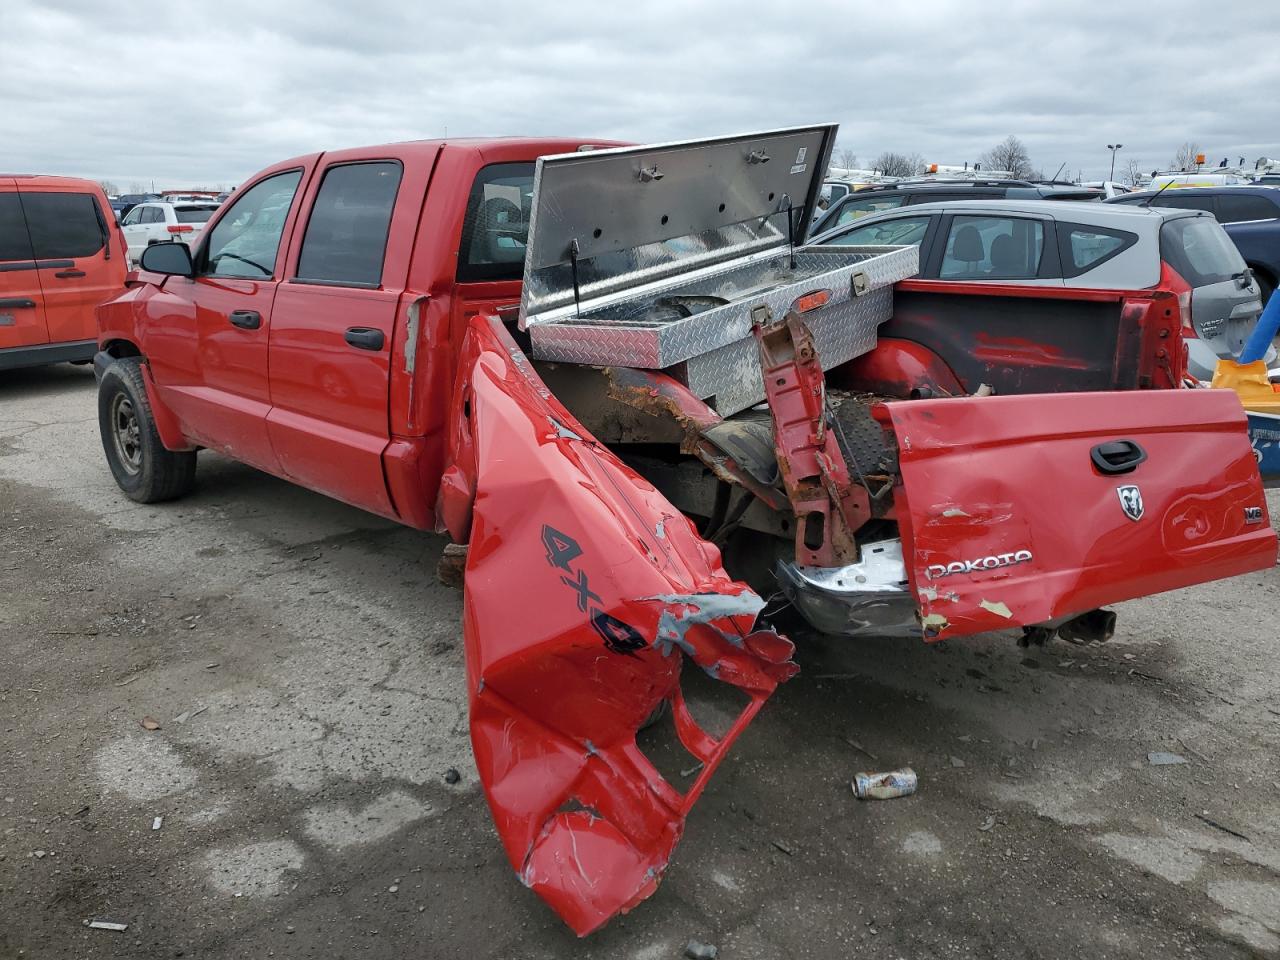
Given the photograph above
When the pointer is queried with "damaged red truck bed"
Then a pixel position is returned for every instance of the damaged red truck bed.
(614, 376)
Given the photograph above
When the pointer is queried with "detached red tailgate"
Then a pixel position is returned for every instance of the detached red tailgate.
(1024, 509)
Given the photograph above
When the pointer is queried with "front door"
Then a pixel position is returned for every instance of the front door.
(207, 336)
(22, 322)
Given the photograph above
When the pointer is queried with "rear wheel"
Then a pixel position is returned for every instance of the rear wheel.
(142, 467)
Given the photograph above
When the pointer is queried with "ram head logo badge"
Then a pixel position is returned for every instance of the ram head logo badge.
(1130, 501)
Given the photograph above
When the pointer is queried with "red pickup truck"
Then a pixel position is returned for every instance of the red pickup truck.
(603, 369)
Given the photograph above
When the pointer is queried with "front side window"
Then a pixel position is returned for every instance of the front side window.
(64, 226)
(496, 227)
(244, 243)
(346, 236)
(1199, 250)
(902, 231)
(993, 248)
(14, 242)
(133, 217)
(1086, 247)
(1238, 207)
(858, 207)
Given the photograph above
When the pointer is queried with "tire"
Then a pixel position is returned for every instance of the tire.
(143, 468)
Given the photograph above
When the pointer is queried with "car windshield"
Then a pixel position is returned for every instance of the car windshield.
(194, 214)
(1199, 250)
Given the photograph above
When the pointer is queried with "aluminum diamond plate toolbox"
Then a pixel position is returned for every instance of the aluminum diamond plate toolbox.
(657, 257)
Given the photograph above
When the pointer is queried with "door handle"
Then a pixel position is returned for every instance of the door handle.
(364, 338)
(18, 302)
(68, 274)
(1117, 456)
(245, 319)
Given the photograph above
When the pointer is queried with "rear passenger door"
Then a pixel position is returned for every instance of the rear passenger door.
(335, 319)
(80, 263)
(22, 321)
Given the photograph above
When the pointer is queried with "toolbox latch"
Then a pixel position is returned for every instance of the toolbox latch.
(859, 283)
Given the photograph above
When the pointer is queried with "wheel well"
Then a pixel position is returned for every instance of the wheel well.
(121, 348)
(1262, 270)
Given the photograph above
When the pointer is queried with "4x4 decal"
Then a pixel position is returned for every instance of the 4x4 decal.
(618, 635)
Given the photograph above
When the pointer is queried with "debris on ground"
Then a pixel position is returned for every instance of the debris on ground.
(988, 824)
(39, 854)
(106, 925)
(1203, 818)
(697, 950)
(452, 776)
(157, 823)
(1159, 758)
(860, 748)
(885, 786)
(788, 850)
(957, 762)
(149, 723)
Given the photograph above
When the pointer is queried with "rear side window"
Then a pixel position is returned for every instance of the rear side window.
(993, 248)
(14, 242)
(152, 215)
(346, 236)
(194, 214)
(63, 226)
(1237, 207)
(1199, 250)
(858, 207)
(1183, 201)
(244, 243)
(1086, 247)
(496, 227)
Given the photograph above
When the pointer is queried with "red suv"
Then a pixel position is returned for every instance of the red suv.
(61, 254)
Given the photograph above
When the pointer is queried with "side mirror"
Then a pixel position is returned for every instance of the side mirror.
(172, 257)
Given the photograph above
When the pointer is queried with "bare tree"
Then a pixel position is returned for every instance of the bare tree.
(1133, 173)
(897, 164)
(137, 187)
(109, 187)
(1011, 155)
(1185, 158)
(845, 158)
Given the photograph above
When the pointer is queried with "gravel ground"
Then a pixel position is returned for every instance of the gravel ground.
(305, 668)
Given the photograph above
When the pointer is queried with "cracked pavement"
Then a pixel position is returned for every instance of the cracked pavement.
(305, 668)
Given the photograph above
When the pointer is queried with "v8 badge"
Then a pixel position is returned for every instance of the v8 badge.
(1252, 514)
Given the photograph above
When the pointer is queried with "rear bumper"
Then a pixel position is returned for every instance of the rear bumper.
(15, 358)
(870, 598)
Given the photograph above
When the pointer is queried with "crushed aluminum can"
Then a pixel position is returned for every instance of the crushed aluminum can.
(885, 786)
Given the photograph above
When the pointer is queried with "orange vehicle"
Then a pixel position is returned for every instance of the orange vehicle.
(61, 254)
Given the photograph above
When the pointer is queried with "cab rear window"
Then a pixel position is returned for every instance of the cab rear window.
(1199, 250)
(496, 227)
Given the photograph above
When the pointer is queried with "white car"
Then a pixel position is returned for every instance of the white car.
(156, 221)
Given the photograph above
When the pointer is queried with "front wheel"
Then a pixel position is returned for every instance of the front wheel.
(142, 467)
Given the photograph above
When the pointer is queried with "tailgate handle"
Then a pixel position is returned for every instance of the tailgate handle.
(1117, 456)
(364, 338)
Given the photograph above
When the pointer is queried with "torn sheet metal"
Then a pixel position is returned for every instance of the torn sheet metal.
(1012, 514)
(585, 589)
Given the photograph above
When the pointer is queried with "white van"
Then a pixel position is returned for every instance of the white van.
(1176, 180)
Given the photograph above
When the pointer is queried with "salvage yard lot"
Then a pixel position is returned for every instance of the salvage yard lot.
(306, 669)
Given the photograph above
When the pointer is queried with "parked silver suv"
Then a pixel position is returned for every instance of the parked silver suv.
(1073, 244)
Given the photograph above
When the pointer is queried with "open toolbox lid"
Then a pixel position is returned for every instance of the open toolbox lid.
(607, 221)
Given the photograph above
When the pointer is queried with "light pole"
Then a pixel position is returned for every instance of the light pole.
(1113, 147)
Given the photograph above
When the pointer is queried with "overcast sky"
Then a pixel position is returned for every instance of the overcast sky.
(205, 94)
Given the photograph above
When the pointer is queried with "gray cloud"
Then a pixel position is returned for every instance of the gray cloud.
(204, 95)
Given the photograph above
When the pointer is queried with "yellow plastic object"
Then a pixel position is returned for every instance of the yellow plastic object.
(1249, 381)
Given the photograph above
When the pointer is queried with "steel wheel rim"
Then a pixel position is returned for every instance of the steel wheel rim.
(126, 433)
